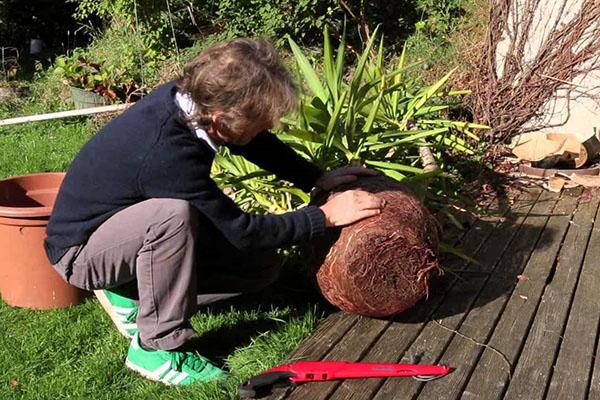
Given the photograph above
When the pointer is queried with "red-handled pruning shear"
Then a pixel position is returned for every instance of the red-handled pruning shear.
(311, 371)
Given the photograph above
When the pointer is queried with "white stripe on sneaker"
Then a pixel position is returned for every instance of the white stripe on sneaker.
(116, 318)
(153, 376)
(180, 378)
(122, 319)
(129, 326)
(161, 370)
(122, 310)
(135, 341)
(167, 378)
(142, 371)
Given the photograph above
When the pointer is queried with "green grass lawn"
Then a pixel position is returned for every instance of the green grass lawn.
(76, 353)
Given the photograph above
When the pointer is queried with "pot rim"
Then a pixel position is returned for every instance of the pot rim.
(29, 212)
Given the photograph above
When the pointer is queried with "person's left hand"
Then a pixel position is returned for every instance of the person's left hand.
(331, 179)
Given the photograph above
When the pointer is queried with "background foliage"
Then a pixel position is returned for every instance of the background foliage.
(302, 19)
(375, 105)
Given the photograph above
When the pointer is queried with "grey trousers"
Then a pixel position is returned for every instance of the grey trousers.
(175, 260)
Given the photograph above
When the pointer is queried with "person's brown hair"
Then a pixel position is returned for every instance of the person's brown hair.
(242, 78)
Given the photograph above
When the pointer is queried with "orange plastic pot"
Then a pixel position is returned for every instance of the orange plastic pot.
(27, 279)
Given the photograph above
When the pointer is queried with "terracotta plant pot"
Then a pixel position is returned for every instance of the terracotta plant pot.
(26, 277)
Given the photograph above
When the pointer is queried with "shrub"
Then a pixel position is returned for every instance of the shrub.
(375, 115)
(439, 17)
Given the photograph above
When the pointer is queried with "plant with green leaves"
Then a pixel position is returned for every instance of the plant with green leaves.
(99, 77)
(76, 71)
(252, 188)
(376, 117)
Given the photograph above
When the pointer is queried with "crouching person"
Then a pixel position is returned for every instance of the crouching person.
(139, 220)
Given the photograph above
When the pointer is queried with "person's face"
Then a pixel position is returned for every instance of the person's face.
(237, 139)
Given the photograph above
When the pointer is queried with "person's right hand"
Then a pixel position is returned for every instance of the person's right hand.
(351, 206)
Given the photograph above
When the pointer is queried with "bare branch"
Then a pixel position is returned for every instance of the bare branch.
(541, 59)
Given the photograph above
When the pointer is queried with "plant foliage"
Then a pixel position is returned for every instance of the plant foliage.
(366, 113)
(98, 77)
(304, 20)
(254, 189)
(375, 116)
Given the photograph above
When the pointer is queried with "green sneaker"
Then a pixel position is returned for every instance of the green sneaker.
(122, 310)
(171, 367)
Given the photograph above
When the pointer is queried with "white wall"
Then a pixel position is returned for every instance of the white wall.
(582, 114)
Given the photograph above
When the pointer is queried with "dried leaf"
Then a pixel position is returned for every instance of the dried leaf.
(522, 277)
(555, 184)
(523, 297)
(587, 181)
(538, 147)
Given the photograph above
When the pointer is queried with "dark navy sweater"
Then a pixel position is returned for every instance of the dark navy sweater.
(149, 152)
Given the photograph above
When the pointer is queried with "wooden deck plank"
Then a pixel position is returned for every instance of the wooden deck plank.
(490, 372)
(327, 335)
(546, 326)
(433, 340)
(572, 370)
(332, 331)
(351, 348)
(594, 390)
(400, 334)
(463, 349)
(355, 342)
(389, 348)
(534, 366)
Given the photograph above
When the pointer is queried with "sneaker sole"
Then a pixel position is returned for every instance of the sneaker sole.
(150, 376)
(145, 373)
(109, 310)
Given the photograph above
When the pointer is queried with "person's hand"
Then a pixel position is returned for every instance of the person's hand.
(331, 179)
(351, 206)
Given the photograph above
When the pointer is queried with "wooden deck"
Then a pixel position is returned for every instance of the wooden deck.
(522, 325)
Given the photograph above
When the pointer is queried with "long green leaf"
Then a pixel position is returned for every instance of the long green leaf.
(453, 144)
(370, 86)
(431, 109)
(446, 248)
(312, 80)
(464, 127)
(379, 64)
(371, 118)
(328, 61)
(393, 174)
(249, 176)
(457, 124)
(304, 147)
(316, 113)
(330, 133)
(424, 96)
(360, 66)
(297, 192)
(395, 166)
(412, 135)
(340, 60)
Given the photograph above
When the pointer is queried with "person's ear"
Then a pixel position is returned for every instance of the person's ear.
(217, 126)
(216, 118)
